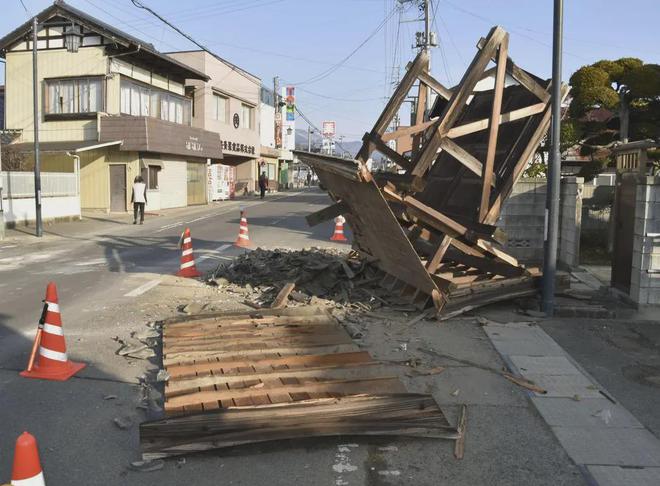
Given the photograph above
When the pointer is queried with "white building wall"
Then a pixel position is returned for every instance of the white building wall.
(267, 125)
(172, 183)
(22, 210)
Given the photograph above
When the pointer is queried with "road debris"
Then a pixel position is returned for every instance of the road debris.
(123, 422)
(147, 466)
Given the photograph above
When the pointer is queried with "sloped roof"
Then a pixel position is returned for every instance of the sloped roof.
(61, 8)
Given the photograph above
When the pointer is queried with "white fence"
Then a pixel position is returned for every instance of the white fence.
(21, 184)
(59, 196)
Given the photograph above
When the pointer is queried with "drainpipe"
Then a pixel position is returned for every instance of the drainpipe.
(76, 171)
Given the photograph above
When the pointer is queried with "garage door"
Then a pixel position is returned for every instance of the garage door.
(196, 183)
(172, 184)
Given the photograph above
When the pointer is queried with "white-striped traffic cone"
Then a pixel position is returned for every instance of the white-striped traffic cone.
(243, 239)
(27, 466)
(338, 235)
(188, 268)
(52, 363)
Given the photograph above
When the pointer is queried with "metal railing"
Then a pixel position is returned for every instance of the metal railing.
(21, 184)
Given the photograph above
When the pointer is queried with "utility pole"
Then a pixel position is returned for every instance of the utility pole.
(554, 169)
(37, 162)
(309, 138)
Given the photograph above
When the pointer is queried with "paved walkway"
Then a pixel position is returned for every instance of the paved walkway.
(605, 440)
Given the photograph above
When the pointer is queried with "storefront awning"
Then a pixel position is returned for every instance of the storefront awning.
(67, 146)
(147, 134)
(150, 160)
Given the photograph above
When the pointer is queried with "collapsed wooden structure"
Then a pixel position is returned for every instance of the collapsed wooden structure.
(431, 226)
(246, 377)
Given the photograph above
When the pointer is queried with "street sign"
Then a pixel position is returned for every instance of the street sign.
(329, 129)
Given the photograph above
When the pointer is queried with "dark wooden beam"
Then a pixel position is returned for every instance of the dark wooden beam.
(326, 214)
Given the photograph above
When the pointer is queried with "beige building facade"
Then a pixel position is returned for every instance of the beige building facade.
(110, 108)
(227, 103)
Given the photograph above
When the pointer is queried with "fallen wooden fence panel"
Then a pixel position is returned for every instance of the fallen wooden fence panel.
(239, 378)
(430, 227)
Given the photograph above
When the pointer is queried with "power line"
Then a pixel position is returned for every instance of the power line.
(25, 8)
(233, 67)
(302, 115)
(328, 72)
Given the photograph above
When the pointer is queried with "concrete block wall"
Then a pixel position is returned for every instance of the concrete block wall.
(645, 276)
(523, 220)
(570, 221)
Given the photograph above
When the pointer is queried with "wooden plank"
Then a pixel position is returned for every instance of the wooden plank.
(241, 324)
(274, 361)
(263, 331)
(490, 248)
(494, 127)
(483, 124)
(235, 355)
(485, 264)
(283, 295)
(326, 214)
(333, 372)
(334, 336)
(408, 131)
(439, 255)
(435, 85)
(405, 414)
(458, 99)
(381, 384)
(247, 314)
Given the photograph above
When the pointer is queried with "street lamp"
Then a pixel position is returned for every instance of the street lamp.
(72, 38)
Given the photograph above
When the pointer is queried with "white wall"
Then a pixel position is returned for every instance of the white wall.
(266, 126)
(172, 183)
(21, 210)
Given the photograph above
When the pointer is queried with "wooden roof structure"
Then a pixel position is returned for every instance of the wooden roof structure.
(430, 227)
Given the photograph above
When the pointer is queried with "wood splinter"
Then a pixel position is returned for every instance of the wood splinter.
(459, 447)
(281, 299)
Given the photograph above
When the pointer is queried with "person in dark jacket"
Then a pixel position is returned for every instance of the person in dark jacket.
(263, 184)
(139, 199)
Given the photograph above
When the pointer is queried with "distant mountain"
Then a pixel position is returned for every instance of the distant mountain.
(351, 146)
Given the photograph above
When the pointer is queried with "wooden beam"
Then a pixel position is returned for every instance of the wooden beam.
(484, 264)
(435, 262)
(435, 85)
(494, 127)
(326, 214)
(385, 149)
(458, 99)
(420, 63)
(477, 126)
(526, 156)
(408, 131)
(462, 155)
(505, 257)
(428, 215)
(522, 77)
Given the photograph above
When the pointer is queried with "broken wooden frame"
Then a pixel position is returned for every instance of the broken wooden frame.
(273, 374)
(431, 226)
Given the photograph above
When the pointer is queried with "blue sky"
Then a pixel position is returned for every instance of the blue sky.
(299, 40)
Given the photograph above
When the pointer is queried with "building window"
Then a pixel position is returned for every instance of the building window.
(220, 105)
(73, 98)
(150, 176)
(247, 116)
(141, 100)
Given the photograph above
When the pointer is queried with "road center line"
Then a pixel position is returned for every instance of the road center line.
(143, 288)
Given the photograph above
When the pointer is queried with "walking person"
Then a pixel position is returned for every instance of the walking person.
(139, 199)
(309, 178)
(263, 184)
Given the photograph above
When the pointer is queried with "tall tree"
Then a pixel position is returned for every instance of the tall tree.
(624, 84)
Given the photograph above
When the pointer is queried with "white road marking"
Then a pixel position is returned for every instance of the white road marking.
(98, 261)
(219, 249)
(143, 288)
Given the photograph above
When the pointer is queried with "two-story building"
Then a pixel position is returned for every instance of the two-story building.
(111, 107)
(227, 102)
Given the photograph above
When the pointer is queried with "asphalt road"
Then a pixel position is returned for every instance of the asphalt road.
(101, 270)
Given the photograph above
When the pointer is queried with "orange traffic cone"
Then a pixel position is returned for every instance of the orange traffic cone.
(27, 467)
(188, 268)
(52, 363)
(338, 235)
(243, 239)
